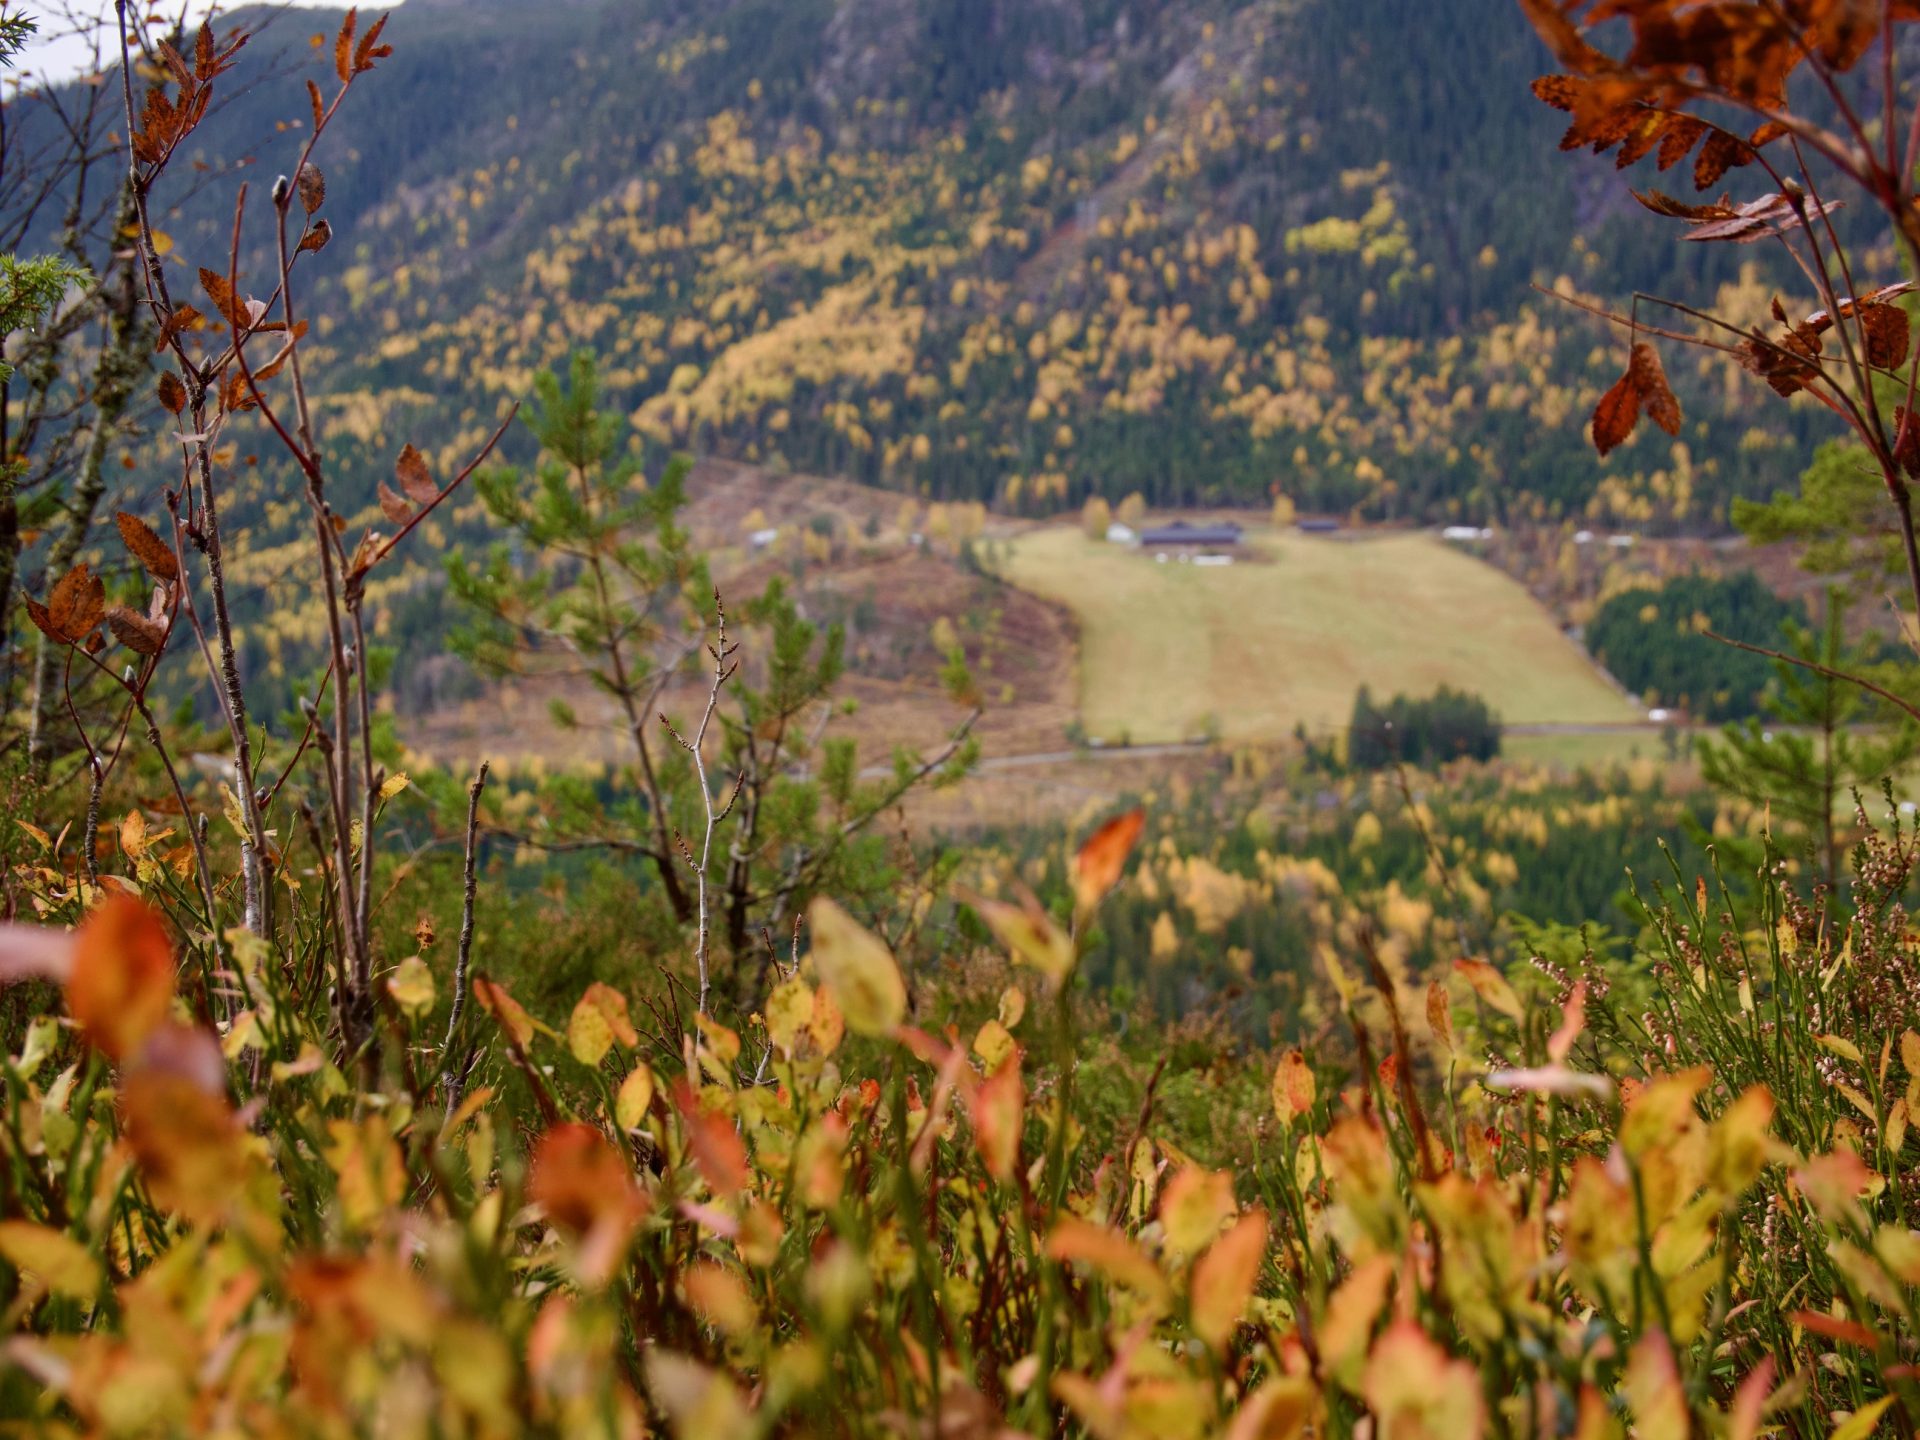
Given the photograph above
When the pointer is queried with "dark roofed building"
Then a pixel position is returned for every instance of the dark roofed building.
(1180, 535)
(1318, 527)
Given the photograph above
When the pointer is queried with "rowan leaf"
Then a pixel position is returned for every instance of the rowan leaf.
(1887, 331)
(1721, 153)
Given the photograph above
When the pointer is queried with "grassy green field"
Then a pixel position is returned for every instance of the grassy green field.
(1252, 649)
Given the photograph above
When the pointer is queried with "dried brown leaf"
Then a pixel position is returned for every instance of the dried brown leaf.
(343, 46)
(1906, 441)
(1650, 383)
(173, 395)
(156, 557)
(394, 505)
(77, 603)
(1721, 153)
(317, 237)
(415, 479)
(1887, 331)
(223, 297)
(1616, 414)
(136, 631)
(313, 188)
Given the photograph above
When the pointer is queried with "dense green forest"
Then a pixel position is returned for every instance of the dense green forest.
(1656, 642)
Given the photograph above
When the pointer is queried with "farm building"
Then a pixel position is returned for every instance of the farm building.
(1317, 527)
(1216, 535)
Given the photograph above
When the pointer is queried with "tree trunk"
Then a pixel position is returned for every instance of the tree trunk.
(116, 371)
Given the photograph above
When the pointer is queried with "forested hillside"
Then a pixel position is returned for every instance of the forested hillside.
(1012, 252)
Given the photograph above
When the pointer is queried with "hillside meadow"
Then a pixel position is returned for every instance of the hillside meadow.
(1286, 636)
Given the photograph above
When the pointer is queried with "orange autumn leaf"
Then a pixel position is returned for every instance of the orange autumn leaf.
(999, 1111)
(121, 987)
(1097, 866)
(505, 1010)
(579, 1178)
(717, 1149)
(1104, 1249)
(1223, 1279)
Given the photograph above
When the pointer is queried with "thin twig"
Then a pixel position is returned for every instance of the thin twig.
(453, 1077)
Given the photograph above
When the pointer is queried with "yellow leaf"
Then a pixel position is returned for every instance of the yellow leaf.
(1841, 1046)
(133, 835)
(1859, 1425)
(789, 1009)
(857, 968)
(1416, 1388)
(636, 1095)
(700, 1404)
(589, 1036)
(1013, 1006)
(392, 786)
(59, 1261)
(1736, 1145)
(411, 986)
(1659, 1111)
(1195, 1204)
(1030, 934)
(993, 1044)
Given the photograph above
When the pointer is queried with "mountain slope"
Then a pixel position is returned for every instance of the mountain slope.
(1017, 252)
